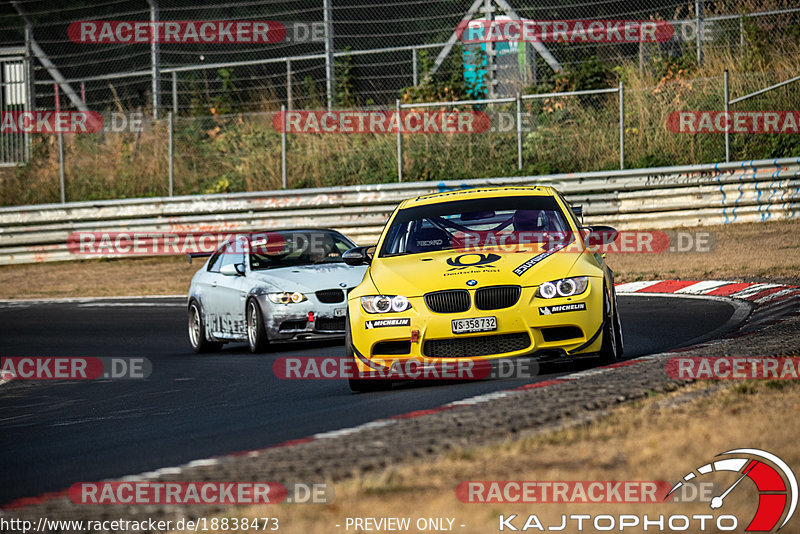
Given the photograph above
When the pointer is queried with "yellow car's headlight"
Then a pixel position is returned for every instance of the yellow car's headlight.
(385, 303)
(565, 287)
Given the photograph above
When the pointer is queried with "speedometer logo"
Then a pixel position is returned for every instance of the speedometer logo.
(776, 484)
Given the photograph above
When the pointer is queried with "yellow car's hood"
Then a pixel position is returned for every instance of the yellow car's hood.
(413, 275)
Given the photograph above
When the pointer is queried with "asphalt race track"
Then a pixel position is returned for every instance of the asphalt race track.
(195, 406)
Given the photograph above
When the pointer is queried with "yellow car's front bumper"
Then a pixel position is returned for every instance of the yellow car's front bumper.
(566, 326)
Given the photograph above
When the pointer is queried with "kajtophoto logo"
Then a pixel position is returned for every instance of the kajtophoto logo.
(774, 480)
(774, 498)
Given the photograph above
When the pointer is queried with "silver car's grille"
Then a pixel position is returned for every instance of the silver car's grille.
(293, 324)
(497, 297)
(330, 296)
(451, 301)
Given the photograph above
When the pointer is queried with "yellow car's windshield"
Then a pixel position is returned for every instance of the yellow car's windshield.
(466, 224)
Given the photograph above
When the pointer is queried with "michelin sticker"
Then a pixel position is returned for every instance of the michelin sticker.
(379, 323)
(561, 308)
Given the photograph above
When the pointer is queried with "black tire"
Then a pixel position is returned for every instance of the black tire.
(360, 385)
(197, 331)
(256, 331)
(611, 349)
(618, 327)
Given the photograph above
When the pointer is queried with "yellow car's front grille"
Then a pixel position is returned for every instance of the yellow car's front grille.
(474, 346)
(497, 297)
(450, 301)
(486, 298)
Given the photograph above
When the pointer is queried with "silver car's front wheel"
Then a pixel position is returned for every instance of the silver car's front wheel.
(197, 332)
(256, 333)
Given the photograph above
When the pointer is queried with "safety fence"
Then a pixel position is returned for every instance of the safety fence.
(336, 49)
(655, 198)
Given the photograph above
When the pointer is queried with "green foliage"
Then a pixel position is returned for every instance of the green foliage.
(435, 88)
(669, 67)
(343, 74)
(313, 94)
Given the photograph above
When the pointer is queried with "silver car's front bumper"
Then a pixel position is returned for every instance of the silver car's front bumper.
(302, 320)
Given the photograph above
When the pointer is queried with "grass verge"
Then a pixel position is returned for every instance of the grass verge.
(660, 438)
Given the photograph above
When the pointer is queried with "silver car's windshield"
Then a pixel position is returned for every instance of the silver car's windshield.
(296, 248)
(458, 224)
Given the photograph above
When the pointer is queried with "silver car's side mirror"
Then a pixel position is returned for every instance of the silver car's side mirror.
(357, 256)
(232, 269)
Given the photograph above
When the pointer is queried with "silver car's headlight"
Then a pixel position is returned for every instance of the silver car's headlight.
(385, 303)
(565, 287)
(286, 297)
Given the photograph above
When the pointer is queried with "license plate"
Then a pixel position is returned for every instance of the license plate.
(476, 324)
(339, 312)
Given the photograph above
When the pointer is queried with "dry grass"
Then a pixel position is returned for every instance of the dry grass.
(98, 278)
(643, 441)
(768, 250)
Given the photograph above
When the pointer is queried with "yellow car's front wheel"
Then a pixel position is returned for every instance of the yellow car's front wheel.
(611, 349)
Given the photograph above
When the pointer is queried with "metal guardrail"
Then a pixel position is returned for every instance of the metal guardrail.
(663, 197)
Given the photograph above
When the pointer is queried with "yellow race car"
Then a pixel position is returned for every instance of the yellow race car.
(481, 274)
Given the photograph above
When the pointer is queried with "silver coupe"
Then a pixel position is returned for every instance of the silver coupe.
(270, 286)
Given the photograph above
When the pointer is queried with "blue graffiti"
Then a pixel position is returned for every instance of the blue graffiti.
(443, 188)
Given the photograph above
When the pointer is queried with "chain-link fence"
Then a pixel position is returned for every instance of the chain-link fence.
(377, 49)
